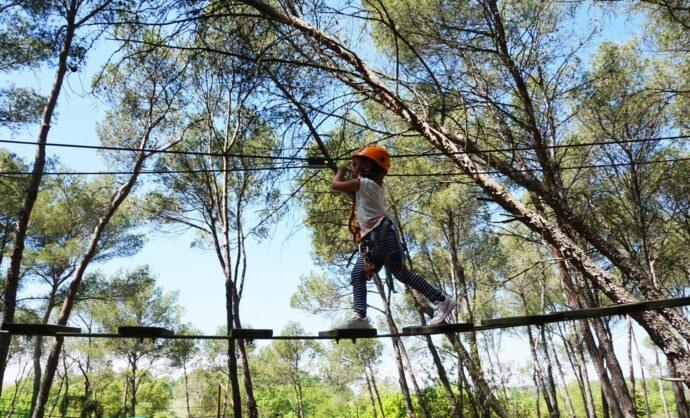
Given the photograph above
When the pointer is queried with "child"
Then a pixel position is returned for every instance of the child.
(369, 166)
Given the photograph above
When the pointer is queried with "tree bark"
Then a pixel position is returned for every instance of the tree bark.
(396, 341)
(561, 376)
(17, 249)
(413, 379)
(584, 375)
(644, 380)
(678, 393)
(70, 298)
(661, 385)
(539, 376)
(481, 386)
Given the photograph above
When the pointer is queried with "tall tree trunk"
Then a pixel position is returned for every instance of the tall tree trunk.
(443, 377)
(38, 347)
(133, 391)
(70, 298)
(125, 396)
(605, 410)
(607, 391)
(371, 393)
(678, 393)
(539, 376)
(481, 386)
(376, 390)
(501, 373)
(551, 385)
(232, 356)
(537, 386)
(631, 369)
(460, 284)
(661, 385)
(561, 377)
(582, 365)
(546, 389)
(621, 396)
(397, 342)
(31, 192)
(186, 387)
(413, 379)
(644, 380)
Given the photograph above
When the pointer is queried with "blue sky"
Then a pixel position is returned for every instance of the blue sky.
(274, 265)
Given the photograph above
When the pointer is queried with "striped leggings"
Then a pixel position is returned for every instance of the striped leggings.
(386, 250)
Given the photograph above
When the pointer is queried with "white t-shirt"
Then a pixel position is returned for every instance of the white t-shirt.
(369, 205)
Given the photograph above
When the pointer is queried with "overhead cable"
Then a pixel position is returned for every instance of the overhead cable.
(293, 167)
(293, 158)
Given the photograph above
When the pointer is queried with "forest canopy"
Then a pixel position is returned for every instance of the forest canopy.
(539, 158)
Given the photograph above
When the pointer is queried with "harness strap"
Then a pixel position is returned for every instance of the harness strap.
(369, 267)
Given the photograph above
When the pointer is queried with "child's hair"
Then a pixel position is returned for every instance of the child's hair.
(374, 171)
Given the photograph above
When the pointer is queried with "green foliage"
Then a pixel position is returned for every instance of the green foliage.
(19, 106)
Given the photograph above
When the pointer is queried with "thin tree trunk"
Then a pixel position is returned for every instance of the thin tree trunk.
(443, 377)
(580, 358)
(607, 392)
(561, 378)
(661, 385)
(57, 397)
(413, 379)
(605, 410)
(38, 348)
(133, 391)
(402, 380)
(18, 388)
(186, 387)
(539, 376)
(549, 397)
(537, 398)
(620, 399)
(678, 392)
(573, 359)
(31, 193)
(644, 380)
(631, 370)
(551, 388)
(125, 396)
(376, 391)
(371, 393)
(118, 198)
(501, 372)
(481, 386)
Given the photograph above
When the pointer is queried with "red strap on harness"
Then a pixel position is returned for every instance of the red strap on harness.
(369, 267)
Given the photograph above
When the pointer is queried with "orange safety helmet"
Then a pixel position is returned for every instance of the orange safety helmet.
(378, 154)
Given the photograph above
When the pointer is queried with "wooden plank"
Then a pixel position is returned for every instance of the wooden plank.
(625, 308)
(349, 333)
(37, 329)
(438, 329)
(144, 332)
(250, 334)
(517, 321)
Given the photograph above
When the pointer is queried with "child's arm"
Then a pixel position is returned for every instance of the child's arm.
(339, 183)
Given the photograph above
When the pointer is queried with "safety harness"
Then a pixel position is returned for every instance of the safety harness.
(369, 266)
(362, 245)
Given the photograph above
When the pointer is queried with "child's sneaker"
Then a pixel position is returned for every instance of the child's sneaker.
(443, 309)
(356, 322)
